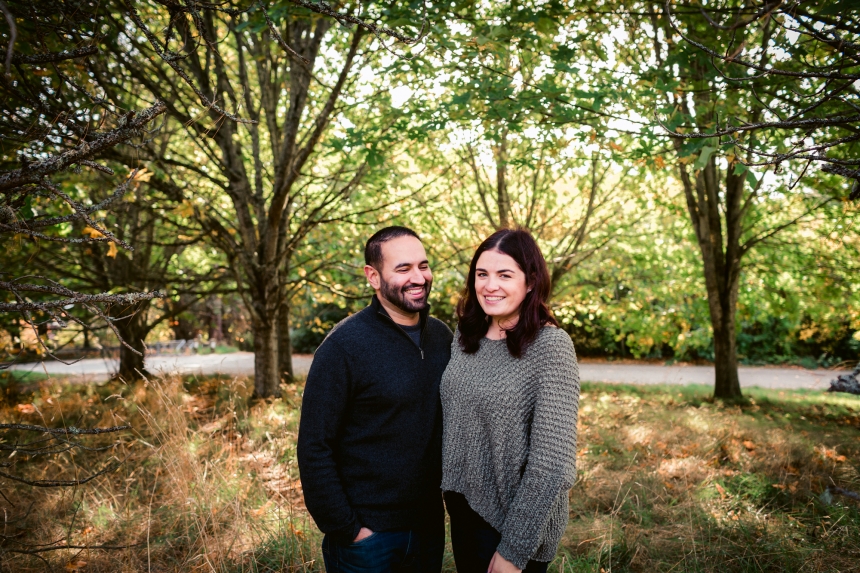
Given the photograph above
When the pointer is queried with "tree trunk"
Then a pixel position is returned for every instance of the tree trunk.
(721, 262)
(285, 347)
(133, 330)
(726, 383)
(503, 200)
(266, 379)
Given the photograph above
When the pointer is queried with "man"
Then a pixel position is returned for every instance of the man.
(370, 435)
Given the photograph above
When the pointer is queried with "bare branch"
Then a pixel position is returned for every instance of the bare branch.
(52, 57)
(13, 33)
(35, 172)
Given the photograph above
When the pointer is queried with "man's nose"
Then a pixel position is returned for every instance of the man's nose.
(417, 277)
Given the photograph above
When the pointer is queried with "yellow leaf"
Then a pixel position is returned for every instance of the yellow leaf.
(185, 209)
(112, 250)
(143, 175)
(93, 233)
(75, 565)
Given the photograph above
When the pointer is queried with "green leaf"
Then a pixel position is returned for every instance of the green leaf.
(27, 210)
(751, 178)
(740, 169)
(840, 8)
(704, 156)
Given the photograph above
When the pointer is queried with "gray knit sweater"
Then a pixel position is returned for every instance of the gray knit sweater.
(509, 439)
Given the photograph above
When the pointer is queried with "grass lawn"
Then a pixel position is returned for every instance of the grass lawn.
(668, 481)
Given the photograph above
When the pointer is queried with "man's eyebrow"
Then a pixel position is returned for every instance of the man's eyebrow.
(401, 265)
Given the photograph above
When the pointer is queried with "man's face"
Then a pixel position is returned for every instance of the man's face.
(404, 278)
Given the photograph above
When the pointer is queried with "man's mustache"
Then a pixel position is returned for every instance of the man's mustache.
(425, 286)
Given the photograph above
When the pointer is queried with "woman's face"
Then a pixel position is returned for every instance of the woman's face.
(501, 287)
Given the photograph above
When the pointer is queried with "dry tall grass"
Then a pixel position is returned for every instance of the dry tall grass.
(209, 484)
(669, 481)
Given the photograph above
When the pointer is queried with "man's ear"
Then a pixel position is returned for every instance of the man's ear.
(372, 276)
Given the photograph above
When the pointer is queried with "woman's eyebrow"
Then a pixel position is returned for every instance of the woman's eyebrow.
(499, 271)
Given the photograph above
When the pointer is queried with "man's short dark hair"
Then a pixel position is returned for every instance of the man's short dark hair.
(373, 248)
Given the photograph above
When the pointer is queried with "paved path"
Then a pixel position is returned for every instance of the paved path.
(242, 363)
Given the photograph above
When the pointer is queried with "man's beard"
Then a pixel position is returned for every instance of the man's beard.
(398, 296)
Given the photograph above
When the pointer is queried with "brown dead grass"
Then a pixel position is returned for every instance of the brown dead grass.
(668, 481)
(672, 481)
(209, 483)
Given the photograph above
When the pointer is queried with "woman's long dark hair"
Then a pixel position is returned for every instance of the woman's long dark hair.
(534, 312)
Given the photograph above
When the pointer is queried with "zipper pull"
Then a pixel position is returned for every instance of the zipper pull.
(422, 354)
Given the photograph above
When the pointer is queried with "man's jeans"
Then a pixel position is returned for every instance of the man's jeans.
(387, 552)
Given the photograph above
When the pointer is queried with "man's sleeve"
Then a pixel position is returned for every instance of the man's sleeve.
(323, 407)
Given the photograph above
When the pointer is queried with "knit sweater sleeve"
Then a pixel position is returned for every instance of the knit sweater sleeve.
(551, 465)
(324, 405)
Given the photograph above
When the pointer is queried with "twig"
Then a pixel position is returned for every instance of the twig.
(13, 33)
(70, 431)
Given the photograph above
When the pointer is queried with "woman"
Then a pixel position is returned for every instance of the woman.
(510, 396)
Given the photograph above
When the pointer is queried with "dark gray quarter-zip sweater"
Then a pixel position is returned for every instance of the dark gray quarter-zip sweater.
(370, 436)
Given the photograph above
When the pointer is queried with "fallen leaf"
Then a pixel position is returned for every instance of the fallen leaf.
(721, 491)
(749, 445)
(26, 408)
(75, 565)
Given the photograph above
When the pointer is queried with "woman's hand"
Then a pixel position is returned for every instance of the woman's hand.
(499, 564)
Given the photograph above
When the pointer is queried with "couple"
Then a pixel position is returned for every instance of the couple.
(375, 440)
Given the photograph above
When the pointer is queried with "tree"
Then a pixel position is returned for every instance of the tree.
(167, 258)
(693, 66)
(519, 143)
(280, 178)
(53, 121)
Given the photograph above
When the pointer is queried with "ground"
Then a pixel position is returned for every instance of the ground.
(668, 480)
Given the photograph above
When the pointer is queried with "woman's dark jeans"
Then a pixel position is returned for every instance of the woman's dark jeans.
(474, 540)
(412, 551)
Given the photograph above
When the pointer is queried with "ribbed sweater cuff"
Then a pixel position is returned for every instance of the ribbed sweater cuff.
(516, 556)
(347, 533)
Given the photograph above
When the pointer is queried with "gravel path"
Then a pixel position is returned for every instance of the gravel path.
(242, 363)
